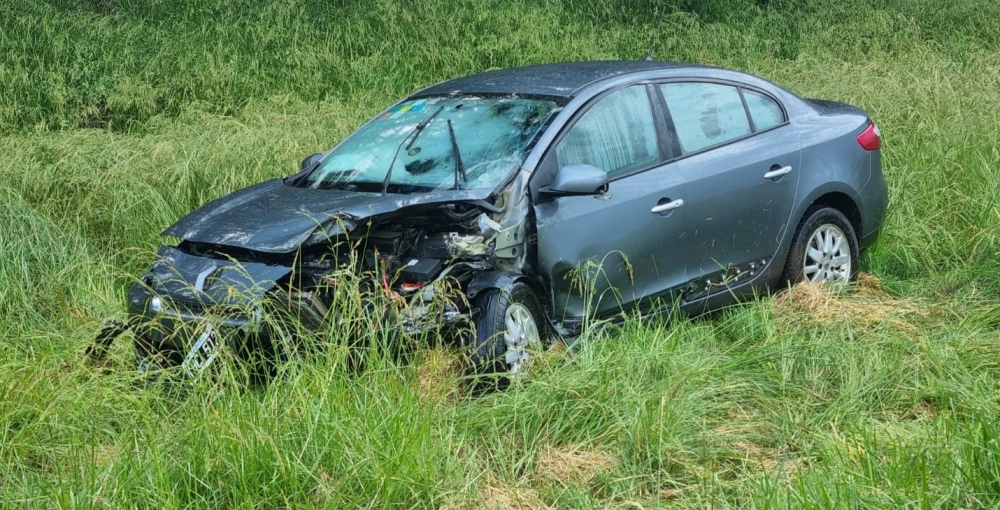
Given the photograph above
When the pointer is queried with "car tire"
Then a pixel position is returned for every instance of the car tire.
(825, 248)
(510, 325)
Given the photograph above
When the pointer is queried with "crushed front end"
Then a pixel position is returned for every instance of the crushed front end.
(192, 298)
(408, 273)
(404, 221)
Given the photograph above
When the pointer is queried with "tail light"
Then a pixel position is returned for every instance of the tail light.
(870, 139)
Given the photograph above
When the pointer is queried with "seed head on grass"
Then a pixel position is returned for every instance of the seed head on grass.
(438, 374)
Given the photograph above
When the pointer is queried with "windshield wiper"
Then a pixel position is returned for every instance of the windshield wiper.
(459, 166)
(412, 137)
(422, 125)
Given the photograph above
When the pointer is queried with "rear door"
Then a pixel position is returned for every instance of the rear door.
(737, 174)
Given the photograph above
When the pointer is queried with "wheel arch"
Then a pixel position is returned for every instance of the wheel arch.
(843, 203)
(500, 279)
(496, 280)
(835, 195)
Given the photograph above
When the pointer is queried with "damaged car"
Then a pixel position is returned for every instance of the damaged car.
(512, 207)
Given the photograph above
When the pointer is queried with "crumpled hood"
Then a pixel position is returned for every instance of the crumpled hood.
(273, 217)
(208, 281)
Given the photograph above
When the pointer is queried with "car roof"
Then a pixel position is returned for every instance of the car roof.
(561, 80)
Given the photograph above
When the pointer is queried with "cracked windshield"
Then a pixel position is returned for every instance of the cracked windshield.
(436, 143)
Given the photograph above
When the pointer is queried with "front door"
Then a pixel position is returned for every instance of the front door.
(601, 253)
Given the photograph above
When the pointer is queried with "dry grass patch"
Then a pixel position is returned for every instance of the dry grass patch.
(104, 455)
(572, 464)
(549, 359)
(757, 459)
(864, 303)
(325, 490)
(494, 494)
(920, 411)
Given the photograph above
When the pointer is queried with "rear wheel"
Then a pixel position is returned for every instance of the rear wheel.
(825, 249)
(509, 329)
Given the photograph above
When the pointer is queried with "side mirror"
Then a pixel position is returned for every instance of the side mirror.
(310, 161)
(307, 165)
(578, 179)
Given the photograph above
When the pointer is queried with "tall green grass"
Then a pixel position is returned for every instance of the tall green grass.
(118, 117)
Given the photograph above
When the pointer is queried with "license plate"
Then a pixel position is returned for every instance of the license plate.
(202, 353)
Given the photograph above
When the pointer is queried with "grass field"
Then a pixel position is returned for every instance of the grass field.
(119, 116)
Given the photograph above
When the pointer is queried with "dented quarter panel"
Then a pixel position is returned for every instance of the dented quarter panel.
(833, 163)
(508, 229)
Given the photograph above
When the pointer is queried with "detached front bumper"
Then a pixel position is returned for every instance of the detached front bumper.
(174, 332)
(188, 307)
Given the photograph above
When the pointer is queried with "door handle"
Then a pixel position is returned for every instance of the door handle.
(778, 172)
(669, 206)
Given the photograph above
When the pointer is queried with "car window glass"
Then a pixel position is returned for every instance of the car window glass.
(617, 134)
(705, 114)
(764, 110)
(490, 136)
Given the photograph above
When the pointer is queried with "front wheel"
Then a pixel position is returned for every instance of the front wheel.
(509, 329)
(825, 249)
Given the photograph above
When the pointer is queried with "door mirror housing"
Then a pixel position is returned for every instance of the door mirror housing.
(310, 161)
(307, 165)
(577, 179)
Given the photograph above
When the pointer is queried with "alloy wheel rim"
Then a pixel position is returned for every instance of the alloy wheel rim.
(520, 335)
(828, 256)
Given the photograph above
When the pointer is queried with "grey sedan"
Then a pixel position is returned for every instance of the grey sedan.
(544, 196)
